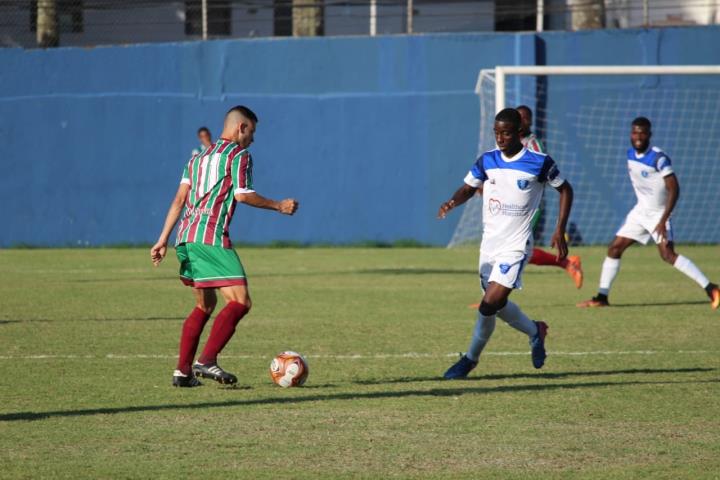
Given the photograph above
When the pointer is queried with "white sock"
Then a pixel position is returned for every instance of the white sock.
(484, 328)
(686, 266)
(515, 317)
(610, 269)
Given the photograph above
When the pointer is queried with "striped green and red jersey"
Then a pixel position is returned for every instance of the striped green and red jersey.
(532, 142)
(215, 176)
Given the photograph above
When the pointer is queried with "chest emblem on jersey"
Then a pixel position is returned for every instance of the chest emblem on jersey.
(523, 183)
(644, 173)
(495, 206)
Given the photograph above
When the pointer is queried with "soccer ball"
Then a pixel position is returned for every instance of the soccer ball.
(289, 369)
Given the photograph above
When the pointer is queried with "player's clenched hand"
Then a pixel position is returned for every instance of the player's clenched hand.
(288, 206)
(157, 253)
(445, 208)
(661, 231)
(558, 241)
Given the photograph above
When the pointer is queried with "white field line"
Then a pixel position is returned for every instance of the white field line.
(115, 356)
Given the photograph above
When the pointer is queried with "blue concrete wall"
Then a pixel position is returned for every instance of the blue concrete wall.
(370, 134)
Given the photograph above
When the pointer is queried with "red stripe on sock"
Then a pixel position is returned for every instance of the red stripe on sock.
(222, 331)
(540, 257)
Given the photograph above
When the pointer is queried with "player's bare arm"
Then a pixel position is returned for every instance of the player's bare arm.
(673, 188)
(461, 195)
(287, 207)
(558, 237)
(158, 251)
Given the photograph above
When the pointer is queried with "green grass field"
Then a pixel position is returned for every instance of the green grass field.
(89, 339)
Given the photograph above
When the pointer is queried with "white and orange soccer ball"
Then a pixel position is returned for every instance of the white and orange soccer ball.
(289, 369)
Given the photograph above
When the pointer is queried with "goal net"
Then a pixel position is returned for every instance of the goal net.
(583, 116)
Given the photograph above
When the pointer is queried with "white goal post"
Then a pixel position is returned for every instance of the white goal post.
(582, 114)
(540, 70)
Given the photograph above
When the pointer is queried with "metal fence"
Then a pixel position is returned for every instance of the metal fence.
(48, 23)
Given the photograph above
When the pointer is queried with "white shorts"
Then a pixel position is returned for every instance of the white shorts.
(504, 268)
(640, 223)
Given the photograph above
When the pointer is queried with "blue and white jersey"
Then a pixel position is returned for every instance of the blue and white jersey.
(512, 189)
(647, 174)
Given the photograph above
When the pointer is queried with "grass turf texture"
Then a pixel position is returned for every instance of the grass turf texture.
(89, 338)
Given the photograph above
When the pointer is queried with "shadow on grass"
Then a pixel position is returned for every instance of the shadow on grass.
(318, 273)
(450, 391)
(660, 304)
(415, 271)
(24, 320)
(120, 279)
(112, 319)
(545, 375)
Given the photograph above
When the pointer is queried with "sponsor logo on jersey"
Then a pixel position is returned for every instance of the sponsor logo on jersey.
(198, 211)
(644, 173)
(508, 209)
(523, 183)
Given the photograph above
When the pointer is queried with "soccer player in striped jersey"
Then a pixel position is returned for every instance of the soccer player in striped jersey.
(211, 184)
(572, 264)
(205, 138)
(657, 191)
(512, 178)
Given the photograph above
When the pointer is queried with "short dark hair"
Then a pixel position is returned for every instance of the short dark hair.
(525, 107)
(203, 129)
(508, 115)
(642, 122)
(245, 112)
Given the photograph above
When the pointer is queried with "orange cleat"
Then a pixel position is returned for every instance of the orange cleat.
(574, 269)
(593, 302)
(715, 298)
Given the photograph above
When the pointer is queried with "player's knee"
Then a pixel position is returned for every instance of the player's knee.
(207, 303)
(207, 307)
(489, 308)
(614, 251)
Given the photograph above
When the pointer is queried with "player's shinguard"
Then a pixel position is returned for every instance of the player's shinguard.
(657, 191)
(512, 179)
(212, 182)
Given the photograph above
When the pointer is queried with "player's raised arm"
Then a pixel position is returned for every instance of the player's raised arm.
(158, 251)
(242, 173)
(287, 207)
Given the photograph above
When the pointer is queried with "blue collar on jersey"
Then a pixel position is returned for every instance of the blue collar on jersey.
(649, 157)
(525, 160)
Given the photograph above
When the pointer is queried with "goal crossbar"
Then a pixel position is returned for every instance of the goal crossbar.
(502, 71)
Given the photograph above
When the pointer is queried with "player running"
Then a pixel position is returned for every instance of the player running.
(211, 183)
(512, 178)
(572, 264)
(657, 191)
(203, 134)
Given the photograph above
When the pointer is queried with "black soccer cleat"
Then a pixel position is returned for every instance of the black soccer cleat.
(182, 380)
(214, 372)
(537, 345)
(460, 369)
